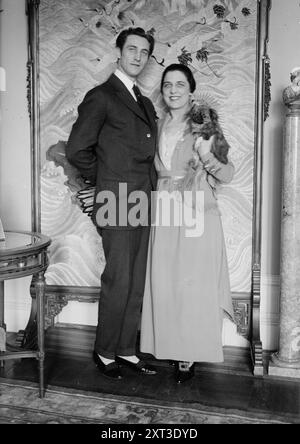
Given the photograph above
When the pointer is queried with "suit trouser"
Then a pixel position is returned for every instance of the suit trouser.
(122, 289)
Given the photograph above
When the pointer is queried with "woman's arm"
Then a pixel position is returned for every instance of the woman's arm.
(223, 173)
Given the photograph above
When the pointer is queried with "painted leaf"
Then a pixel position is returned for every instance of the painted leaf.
(202, 55)
(185, 57)
(246, 11)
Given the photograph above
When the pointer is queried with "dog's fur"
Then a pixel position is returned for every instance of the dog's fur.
(205, 123)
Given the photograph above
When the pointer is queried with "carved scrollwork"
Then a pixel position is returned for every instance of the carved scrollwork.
(242, 316)
(53, 306)
(56, 298)
(267, 100)
(29, 88)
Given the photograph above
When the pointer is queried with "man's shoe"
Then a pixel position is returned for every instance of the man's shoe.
(183, 373)
(140, 367)
(111, 371)
(172, 363)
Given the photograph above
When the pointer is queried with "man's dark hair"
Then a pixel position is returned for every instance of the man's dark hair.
(122, 37)
(185, 70)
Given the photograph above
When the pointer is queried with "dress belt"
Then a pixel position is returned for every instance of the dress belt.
(165, 174)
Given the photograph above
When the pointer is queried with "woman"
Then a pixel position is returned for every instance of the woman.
(187, 286)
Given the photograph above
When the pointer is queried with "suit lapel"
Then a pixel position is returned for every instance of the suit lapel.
(149, 114)
(124, 95)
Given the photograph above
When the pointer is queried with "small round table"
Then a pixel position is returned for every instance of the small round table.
(24, 254)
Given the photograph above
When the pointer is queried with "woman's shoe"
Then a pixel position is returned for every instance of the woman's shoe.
(184, 372)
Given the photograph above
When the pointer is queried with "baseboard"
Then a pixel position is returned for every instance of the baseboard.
(77, 341)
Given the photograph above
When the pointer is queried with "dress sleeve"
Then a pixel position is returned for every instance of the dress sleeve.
(223, 173)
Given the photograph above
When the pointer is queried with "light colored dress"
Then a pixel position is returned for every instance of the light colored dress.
(187, 289)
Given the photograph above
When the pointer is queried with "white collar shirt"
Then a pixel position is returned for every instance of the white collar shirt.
(126, 81)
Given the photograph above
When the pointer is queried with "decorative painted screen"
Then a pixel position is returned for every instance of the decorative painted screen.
(218, 41)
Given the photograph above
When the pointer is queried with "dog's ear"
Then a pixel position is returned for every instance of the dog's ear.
(220, 146)
(213, 116)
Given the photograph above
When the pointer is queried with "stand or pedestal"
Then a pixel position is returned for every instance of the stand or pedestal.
(286, 362)
(24, 254)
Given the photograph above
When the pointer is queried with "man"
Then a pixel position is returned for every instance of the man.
(112, 143)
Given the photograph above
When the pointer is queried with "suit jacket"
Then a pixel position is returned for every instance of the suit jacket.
(112, 144)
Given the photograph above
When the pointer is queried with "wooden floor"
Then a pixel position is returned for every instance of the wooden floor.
(230, 386)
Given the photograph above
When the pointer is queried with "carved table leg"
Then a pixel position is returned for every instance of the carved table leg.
(40, 297)
(28, 338)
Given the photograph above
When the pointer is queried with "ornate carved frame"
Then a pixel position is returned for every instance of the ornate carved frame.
(247, 309)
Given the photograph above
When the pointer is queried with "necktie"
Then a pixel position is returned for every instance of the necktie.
(138, 96)
(139, 100)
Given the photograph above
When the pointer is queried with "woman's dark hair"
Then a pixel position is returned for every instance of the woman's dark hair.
(122, 37)
(182, 68)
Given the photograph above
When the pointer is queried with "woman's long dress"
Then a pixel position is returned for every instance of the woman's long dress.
(187, 287)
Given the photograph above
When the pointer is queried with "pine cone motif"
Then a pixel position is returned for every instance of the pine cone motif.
(246, 11)
(219, 10)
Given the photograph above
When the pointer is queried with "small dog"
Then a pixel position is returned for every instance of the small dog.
(205, 123)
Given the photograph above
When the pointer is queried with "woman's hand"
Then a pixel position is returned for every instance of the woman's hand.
(202, 146)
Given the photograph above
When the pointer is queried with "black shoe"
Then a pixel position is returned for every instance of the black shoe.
(140, 367)
(111, 370)
(184, 374)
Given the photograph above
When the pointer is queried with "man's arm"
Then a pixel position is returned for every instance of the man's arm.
(80, 149)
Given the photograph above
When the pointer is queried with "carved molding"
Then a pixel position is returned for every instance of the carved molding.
(256, 346)
(268, 84)
(53, 306)
(256, 342)
(267, 62)
(29, 88)
(257, 358)
(242, 311)
(263, 93)
(56, 298)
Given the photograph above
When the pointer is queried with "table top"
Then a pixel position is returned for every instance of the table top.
(17, 242)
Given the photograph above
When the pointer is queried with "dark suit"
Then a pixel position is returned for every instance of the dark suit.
(111, 143)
